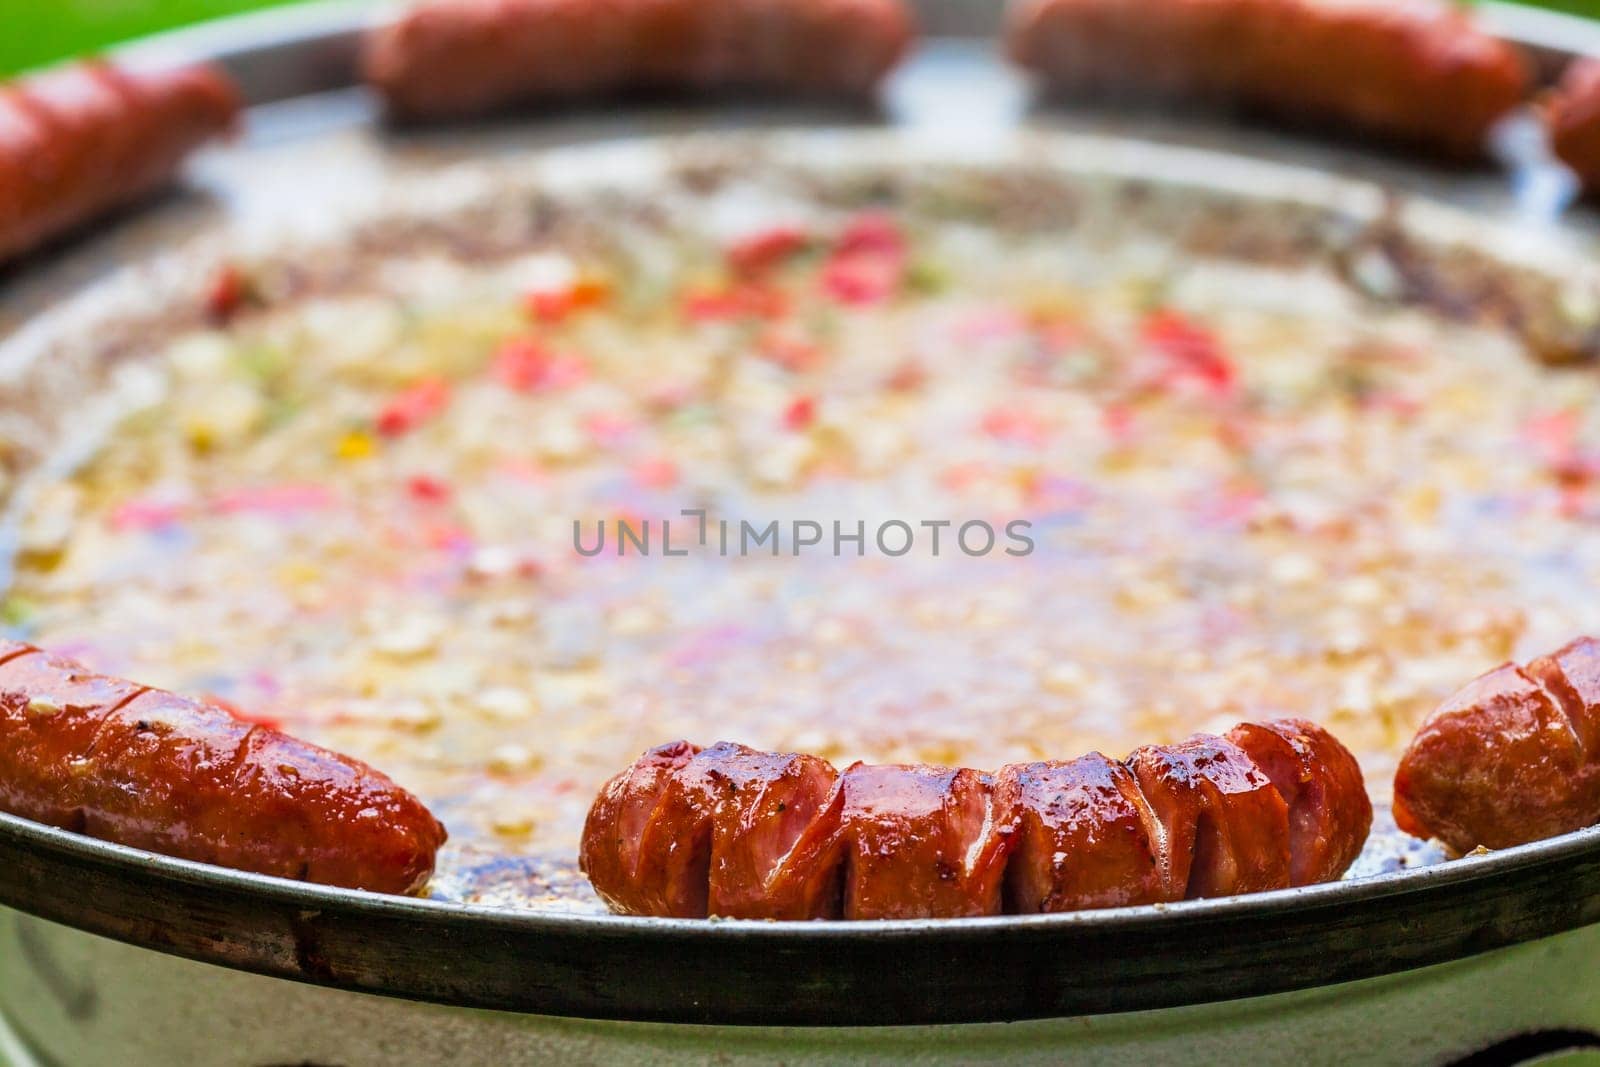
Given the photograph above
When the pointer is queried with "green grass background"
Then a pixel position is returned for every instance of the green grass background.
(33, 32)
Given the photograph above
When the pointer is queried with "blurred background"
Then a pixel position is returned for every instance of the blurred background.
(33, 32)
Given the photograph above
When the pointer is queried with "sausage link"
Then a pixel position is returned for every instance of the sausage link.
(82, 141)
(1315, 775)
(1224, 825)
(1572, 117)
(444, 59)
(1090, 806)
(153, 770)
(920, 841)
(737, 833)
(1512, 757)
(726, 820)
(1417, 72)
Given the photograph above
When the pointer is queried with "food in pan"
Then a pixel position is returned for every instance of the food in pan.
(1417, 72)
(1572, 116)
(1510, 758)
(1169, 459)
(455, 58)
(83, 140)
(141, 767)
(728, 831)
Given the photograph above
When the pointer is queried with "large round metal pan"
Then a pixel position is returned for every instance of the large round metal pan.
(775, 973)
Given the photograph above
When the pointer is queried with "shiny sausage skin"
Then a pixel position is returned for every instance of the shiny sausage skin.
(1513, 757)
(153, 770)
(1224, 824)
(1319, 781)
(443, 59)
(81, 141)
(1416, 72)
(729, 831)
(1572, 117)
(920, 841)
(1051, 801)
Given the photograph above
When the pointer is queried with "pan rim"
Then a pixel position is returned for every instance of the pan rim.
(34, 859)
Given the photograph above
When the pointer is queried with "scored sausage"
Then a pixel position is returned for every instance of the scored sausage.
(728, 831)
(1512, 757)
(1420, 72)
(153, 770)
(1572, 117)
(458, 58)
(81, 141)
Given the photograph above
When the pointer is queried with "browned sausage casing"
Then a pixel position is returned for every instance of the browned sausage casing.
(150, 769)
(84, 140)
(1572, 115)
(729, 831)
(455, 58)
(1419, 72)
(1513, 757)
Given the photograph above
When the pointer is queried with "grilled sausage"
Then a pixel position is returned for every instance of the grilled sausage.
(1316, 776)
(1050, 800)
(1417, 72)
(150, 769)
(81, 141)
(730, 831)
(1572, 117)
(919, 841)
(444, 59)
(1513, 757)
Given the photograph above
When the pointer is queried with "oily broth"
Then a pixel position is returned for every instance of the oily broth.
(1249, 493)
